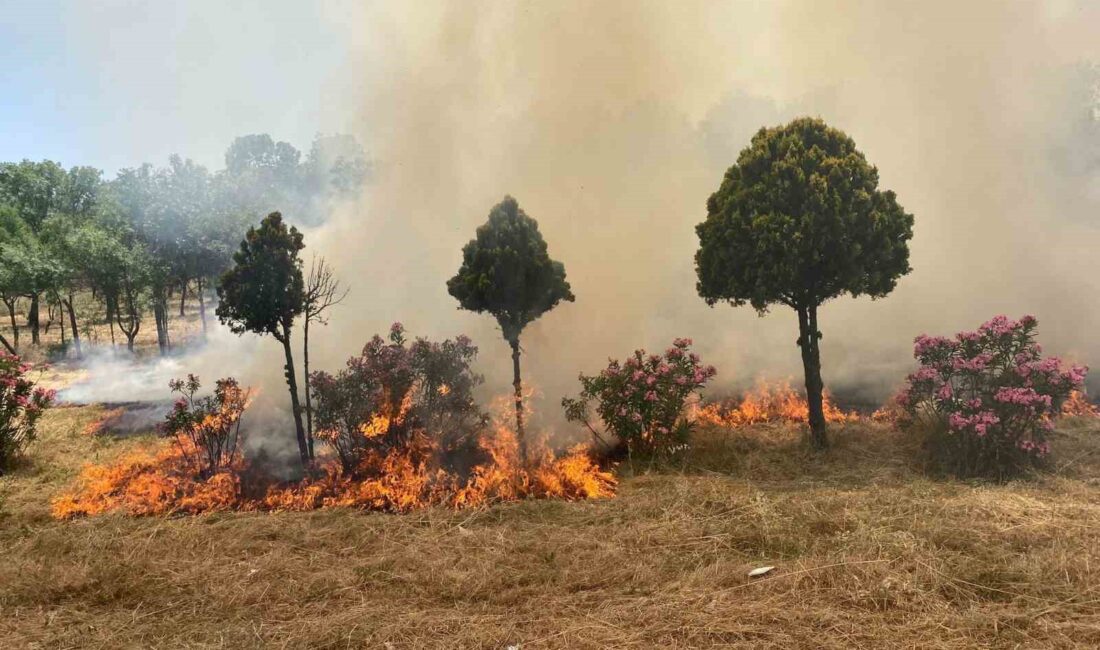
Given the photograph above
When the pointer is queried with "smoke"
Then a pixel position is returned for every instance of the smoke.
(612, 122)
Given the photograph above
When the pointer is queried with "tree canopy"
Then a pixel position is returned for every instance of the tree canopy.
(799, 220)
(265, 289)
(507, 272)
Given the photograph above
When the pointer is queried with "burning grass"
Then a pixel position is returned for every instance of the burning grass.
(768, 402)
(167, 481)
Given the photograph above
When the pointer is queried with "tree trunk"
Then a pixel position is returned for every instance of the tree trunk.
(7, 345)
(72, 324)
(111, 309)
(202, 306)
(183, 296)
(305, 369)
(160, 313)
(14, 326)
(61, 320)
(808, 337)
(292, 384)
(518, 386)
(32, 319)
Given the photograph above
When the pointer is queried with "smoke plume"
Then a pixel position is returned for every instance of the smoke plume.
(612, 122)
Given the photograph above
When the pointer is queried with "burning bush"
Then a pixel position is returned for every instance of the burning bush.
(401, 419)
(21, 404)
(985, 399)
(393, 392)
(207, 429)
(642, 401)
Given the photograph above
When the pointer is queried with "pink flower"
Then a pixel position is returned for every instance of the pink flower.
(651, 396)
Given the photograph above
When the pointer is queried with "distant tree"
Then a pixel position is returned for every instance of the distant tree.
(507, 272)
(133, 276)
(797, 221)
(35, 190)
(323, 291)
(264, 292)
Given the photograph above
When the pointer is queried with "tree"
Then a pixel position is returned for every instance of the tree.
(797, 221)
(507, 272)
(264, 292)
(35, 190)
(323, 291)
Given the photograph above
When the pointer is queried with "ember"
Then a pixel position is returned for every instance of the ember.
(767, 402)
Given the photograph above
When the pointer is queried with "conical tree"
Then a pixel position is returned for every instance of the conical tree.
(507, 272)
(797, 221)
(264, 292)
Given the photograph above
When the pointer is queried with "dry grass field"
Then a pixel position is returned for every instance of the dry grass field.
(869, 553)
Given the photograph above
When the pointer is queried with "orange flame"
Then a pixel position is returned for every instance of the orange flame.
(767, 402)
(1077, 404)
(105, 420)
(399, 480)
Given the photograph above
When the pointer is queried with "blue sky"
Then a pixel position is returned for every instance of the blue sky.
(113, 83)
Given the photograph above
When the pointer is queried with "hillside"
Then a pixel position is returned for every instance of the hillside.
(868, 553)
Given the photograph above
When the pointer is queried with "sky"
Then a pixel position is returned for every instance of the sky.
(115, 83)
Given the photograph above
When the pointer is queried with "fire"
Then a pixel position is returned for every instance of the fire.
(1078, 404)
(767, 402)
(109, 416)
(402, 479)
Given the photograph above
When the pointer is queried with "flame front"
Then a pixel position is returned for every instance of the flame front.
(768, 402)
(399, 480)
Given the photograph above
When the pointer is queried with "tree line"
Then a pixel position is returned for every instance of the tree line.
(150, 238)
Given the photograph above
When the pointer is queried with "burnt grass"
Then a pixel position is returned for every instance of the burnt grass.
(870, 552)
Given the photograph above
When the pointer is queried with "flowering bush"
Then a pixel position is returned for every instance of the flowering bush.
(21, 404)
(642, 400)
(393, 391)
(986, 398)
(207, 429)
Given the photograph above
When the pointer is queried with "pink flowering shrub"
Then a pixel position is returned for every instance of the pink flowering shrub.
(986, 398)
(21, 404)
(207, 430)
(642, 400)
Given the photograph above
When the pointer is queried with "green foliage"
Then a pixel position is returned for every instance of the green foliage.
(507, 272)
(798, 220)
(265, 289)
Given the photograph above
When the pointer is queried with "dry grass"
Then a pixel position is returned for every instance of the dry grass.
(869, 554)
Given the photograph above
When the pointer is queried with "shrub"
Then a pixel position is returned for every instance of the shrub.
(985, 399)
(21, 405)
(642, 401)
(393, 391)
(207, 429)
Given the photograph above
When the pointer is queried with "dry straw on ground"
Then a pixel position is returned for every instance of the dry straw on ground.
(869, 553)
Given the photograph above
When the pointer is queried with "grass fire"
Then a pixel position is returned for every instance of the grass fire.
(554, 324)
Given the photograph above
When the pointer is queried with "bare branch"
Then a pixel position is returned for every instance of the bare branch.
(323, 291)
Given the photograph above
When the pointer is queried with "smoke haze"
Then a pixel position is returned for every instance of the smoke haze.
(612, 122)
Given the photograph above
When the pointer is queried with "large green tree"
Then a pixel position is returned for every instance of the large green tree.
(797, 221)
(507, 272)
(264, 292)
